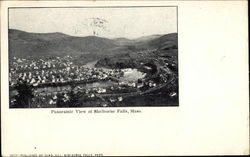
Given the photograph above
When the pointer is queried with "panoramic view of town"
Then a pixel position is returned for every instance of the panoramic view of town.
(55, 69)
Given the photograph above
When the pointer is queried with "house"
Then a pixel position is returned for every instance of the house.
(132, 84)
(55, 97)
(140, 85)
(120, 98)
(50, 101)
(151, 83)
(112, 100)
(172, 94)
(101, 90)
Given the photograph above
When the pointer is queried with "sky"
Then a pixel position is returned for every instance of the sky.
(104, 22)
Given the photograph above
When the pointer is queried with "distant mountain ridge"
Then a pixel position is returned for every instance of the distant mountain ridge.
(22, 44)
(36, 44)
(125, 41)
(15, 34)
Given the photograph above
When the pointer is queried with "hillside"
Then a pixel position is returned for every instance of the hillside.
(17, 34)
(165, 46)
(57, 44)
(137, 41)
(165, 40)
(90, 48)
(147, 38)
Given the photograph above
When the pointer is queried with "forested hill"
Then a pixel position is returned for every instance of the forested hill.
(22, 44)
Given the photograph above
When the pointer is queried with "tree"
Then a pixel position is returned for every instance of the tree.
(60, 102)
(73, 99)
(25, 93)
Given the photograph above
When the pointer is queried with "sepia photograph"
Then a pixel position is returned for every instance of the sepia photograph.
(93, 57)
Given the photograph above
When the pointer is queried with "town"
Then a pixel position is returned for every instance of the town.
(60, 82)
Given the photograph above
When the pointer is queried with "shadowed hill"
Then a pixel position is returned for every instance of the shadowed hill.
(164, 41)
(166, 45)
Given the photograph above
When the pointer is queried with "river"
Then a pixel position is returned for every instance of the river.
(130, 75)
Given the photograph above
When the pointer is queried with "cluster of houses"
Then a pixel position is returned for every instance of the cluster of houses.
(63, 70)
(143, 52)
(51, 71)
(22, 64)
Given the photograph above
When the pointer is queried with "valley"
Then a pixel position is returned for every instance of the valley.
(58, 70)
